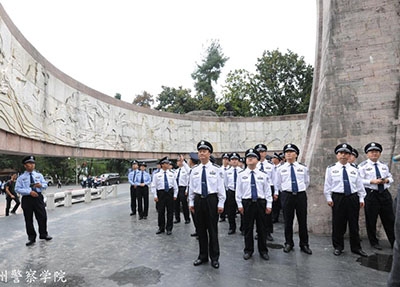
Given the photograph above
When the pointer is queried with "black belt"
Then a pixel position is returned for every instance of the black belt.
(231, 190)
(372, 190)
(342, 193)
(253, 200)
(164, 190)
(293, 193)
(208, 195)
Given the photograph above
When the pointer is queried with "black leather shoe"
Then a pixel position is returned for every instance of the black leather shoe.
(215, 264)
(360, 252)
(306, 250)
(169, 232)
(264, 256)
(132, 214)
(177, 221)
(30, 242)
(287, 248)
(144, 217)
(187, 221)
(198, 262)
(337, 252)
(269, 237)
(231, 231)
(194, 234)
(246, 256)
(160, 231)
(376, 246)
(46, 237)
(141, 217)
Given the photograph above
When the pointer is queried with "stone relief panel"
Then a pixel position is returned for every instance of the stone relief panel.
(36, 104)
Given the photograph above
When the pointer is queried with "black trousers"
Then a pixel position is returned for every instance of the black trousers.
(142, 195)
(346, 209)
(295, 204)
(34, 205)
(181, 199)
(165, 202)
(133, 199)
(231, 208)
(379, 204)
(254, 211)
(269, 226)
(276, 208)
(8, 204)
(206, 213)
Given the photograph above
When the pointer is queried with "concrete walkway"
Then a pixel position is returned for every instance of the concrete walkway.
(99, 244)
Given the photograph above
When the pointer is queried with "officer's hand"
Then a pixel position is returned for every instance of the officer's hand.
(330, 203)
(376, 181)
(268, 210)
(12, 196)
(361, 204)
(38, 185)
(142, 184)
(134, 185)
(191, 208)
(386, 180)
(275, 197)
(156, 199)
(34, 194)
(241, 210)
(220, 210)
(174, 198)
(185, 193)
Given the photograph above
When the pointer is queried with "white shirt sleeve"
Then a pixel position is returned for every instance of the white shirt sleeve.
(221, 190)
(239, 192)
(328, 185)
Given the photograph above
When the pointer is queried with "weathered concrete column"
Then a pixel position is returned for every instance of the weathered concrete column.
(355, 97)
(68, 198)
(88, 195)
(50, 203)
(114, 190)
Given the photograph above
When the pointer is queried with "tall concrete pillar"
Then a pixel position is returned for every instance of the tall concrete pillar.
(355, 96)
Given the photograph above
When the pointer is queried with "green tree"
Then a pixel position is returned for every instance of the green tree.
(118, 96)
(237, 94)
(175, 100)
(282, 84)
(207, 73)
(144, 100)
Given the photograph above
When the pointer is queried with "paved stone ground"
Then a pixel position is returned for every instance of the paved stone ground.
(99, 244)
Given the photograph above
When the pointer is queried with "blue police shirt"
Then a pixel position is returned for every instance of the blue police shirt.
(146, 178)
(24, 181)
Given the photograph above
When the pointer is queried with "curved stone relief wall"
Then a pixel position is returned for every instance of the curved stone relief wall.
(40, 102)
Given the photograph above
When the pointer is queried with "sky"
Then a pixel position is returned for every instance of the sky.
(129, 46)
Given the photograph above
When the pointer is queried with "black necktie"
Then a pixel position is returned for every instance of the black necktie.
(381, 187)
(32, 181)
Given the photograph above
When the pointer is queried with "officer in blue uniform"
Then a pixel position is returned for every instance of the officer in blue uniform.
(30, 185)
(131, 179)
(142, 182)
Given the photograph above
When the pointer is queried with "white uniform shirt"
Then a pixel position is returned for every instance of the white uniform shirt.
(283, 177)
(268, 168)
(367, 173)
(230, 177)
(158, 182)
(243, 186)
(183, 176)
(334, 181)
(215, 182)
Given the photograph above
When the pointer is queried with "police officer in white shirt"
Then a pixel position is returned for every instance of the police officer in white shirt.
(230, 186)
(292, 178)
(276, 204)
(377, 179)
(353, 157)
(165, 191)
(182, 180)
(345, 193)
(254, 199)
(225, 167)
(267, 167)
(206, 200)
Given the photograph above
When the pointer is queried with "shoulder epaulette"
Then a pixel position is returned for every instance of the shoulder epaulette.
(302, 164)
(354, 165)
(332, 165)
(263, 171)
(195, 166)
(241, 171)
(363, 163)
(216, 165)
